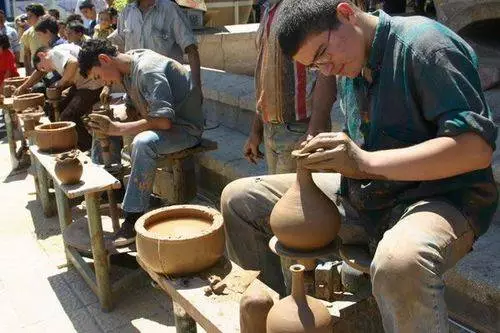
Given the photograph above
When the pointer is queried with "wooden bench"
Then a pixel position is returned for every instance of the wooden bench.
(11, 124)
(84, 234)
(175, 179)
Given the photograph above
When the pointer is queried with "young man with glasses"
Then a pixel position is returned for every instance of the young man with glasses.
(411, 174)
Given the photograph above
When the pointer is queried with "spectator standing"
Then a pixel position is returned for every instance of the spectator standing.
(62, 30)
(47, 31)
(76, 33)
(104, 28)
(89, 13)
(7, 60)
(99, 5)
(11, 33)
(161, 26)
(29, 39)
(55, 14)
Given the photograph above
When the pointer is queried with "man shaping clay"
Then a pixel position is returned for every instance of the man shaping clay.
(171, 120)
(412, 171)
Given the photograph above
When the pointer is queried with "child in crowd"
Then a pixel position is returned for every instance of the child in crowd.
(7, 60)
(104, 28)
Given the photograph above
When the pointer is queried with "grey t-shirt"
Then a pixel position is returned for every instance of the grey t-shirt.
(158, 86)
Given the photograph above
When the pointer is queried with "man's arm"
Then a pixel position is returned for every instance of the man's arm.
(251, 148)
(194, 63)
(324, 95)
(34, 78)
(27, 61)
(104, 124)
(68, 78)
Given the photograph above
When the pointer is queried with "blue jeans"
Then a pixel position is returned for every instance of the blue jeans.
(147, 147)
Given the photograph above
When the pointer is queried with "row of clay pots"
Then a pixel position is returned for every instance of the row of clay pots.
(32, 100)
(11, 83)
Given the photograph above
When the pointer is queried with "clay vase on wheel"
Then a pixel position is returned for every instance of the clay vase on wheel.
(299, 313)
(305, 218)
(68, 168)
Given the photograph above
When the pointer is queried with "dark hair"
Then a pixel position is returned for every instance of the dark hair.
(47, 24)
(4, 42)
(2, 12)
(297, 19)
(112, 12)
(55, 13)
(86, 4)
(36, 8)
(76, 27)
(105, 11)
(89, 54)
(36, 57)
(74, 17)
(61, 22)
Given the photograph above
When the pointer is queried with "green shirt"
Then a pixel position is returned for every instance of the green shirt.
(424, 85)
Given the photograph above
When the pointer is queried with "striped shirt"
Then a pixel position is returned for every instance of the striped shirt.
(283, 87)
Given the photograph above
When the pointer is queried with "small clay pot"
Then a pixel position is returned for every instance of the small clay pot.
(8, 90)
(56, 137)
(53, 93)
(68, 168)
(180, 240)
(299, 313)
(29, 123)
(15, 81)
(254, 307)
(25, 101)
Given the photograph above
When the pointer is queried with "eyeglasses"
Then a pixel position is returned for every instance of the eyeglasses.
(323, 59)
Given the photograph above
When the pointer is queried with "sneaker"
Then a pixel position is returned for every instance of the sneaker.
(124, 236)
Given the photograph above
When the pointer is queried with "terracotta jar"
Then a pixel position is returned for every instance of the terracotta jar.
(305, 218)
(180, 240)
(299, 313)
(33, 100)
(15, 81)
(53, 93)
(68, 168)
(29, 123)
(254, 307)
(8, 90)
(56, 137)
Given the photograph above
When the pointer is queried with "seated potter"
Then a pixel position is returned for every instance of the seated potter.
(411, 174)
(171, 119)
(83, 93)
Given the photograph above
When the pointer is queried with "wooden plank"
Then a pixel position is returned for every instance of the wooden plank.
(183, 321)
(99, 252)
(94, 178)
(215, 313)
(9, 126)
(43, 186)
(204, 146)
(64, 213)
(327, 280)
(83, 268)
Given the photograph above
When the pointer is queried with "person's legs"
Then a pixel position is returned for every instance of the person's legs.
(246, 205)
(409, 263)
(78, 104)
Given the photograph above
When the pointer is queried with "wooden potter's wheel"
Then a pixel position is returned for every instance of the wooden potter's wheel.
(357, 257)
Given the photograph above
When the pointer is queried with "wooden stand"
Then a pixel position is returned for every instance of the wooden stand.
(11, 124)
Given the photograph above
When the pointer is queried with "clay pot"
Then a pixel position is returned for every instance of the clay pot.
(180, 240)
(55, 137)
(53, 93)
(15, 81)
(29, 123)
(25, 101)
(68, 168)
(305, 218)
(8, 90)
(254, 307)
(298, 312)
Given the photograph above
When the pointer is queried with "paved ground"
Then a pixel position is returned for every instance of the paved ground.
(36, 295)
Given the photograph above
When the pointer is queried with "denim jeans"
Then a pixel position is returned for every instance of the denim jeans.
(279, 141)
(115, 149)
(147, 147)
(408, 266)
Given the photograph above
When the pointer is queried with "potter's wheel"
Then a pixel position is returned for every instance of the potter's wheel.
(283, 251)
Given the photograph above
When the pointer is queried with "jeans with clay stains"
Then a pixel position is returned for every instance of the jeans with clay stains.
(147, 147)
(427, 238)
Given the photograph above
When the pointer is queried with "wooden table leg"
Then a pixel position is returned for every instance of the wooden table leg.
(43, 187)
(10, 138)
(183, 322)
(99, 252)
(64, 213)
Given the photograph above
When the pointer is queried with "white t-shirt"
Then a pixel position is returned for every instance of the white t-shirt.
(61, 54)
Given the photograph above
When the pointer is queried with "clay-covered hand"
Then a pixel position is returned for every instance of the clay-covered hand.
(251, 148)
(103, 124)
(303, 140)
(335, 152)
(104, 96)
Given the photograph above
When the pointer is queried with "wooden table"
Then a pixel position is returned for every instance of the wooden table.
(95, 179)
(215, 313)
(10, 118)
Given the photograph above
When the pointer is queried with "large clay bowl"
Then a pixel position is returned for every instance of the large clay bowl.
(53, 93)
(172, 254)
(15, 81)
(56, 137)
(25, 101)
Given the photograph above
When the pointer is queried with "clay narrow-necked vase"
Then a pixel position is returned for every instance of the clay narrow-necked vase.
(33, 100)
(56, 137)
(305, 218)
(180, 240)
(8, 90)
(16, 81)
(254, 307)
(299, 313)
(53, 93)
(68, 168)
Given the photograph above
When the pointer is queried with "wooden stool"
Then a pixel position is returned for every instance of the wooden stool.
(175, 179)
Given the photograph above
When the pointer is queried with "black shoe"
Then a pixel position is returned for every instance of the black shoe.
(124, 236)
